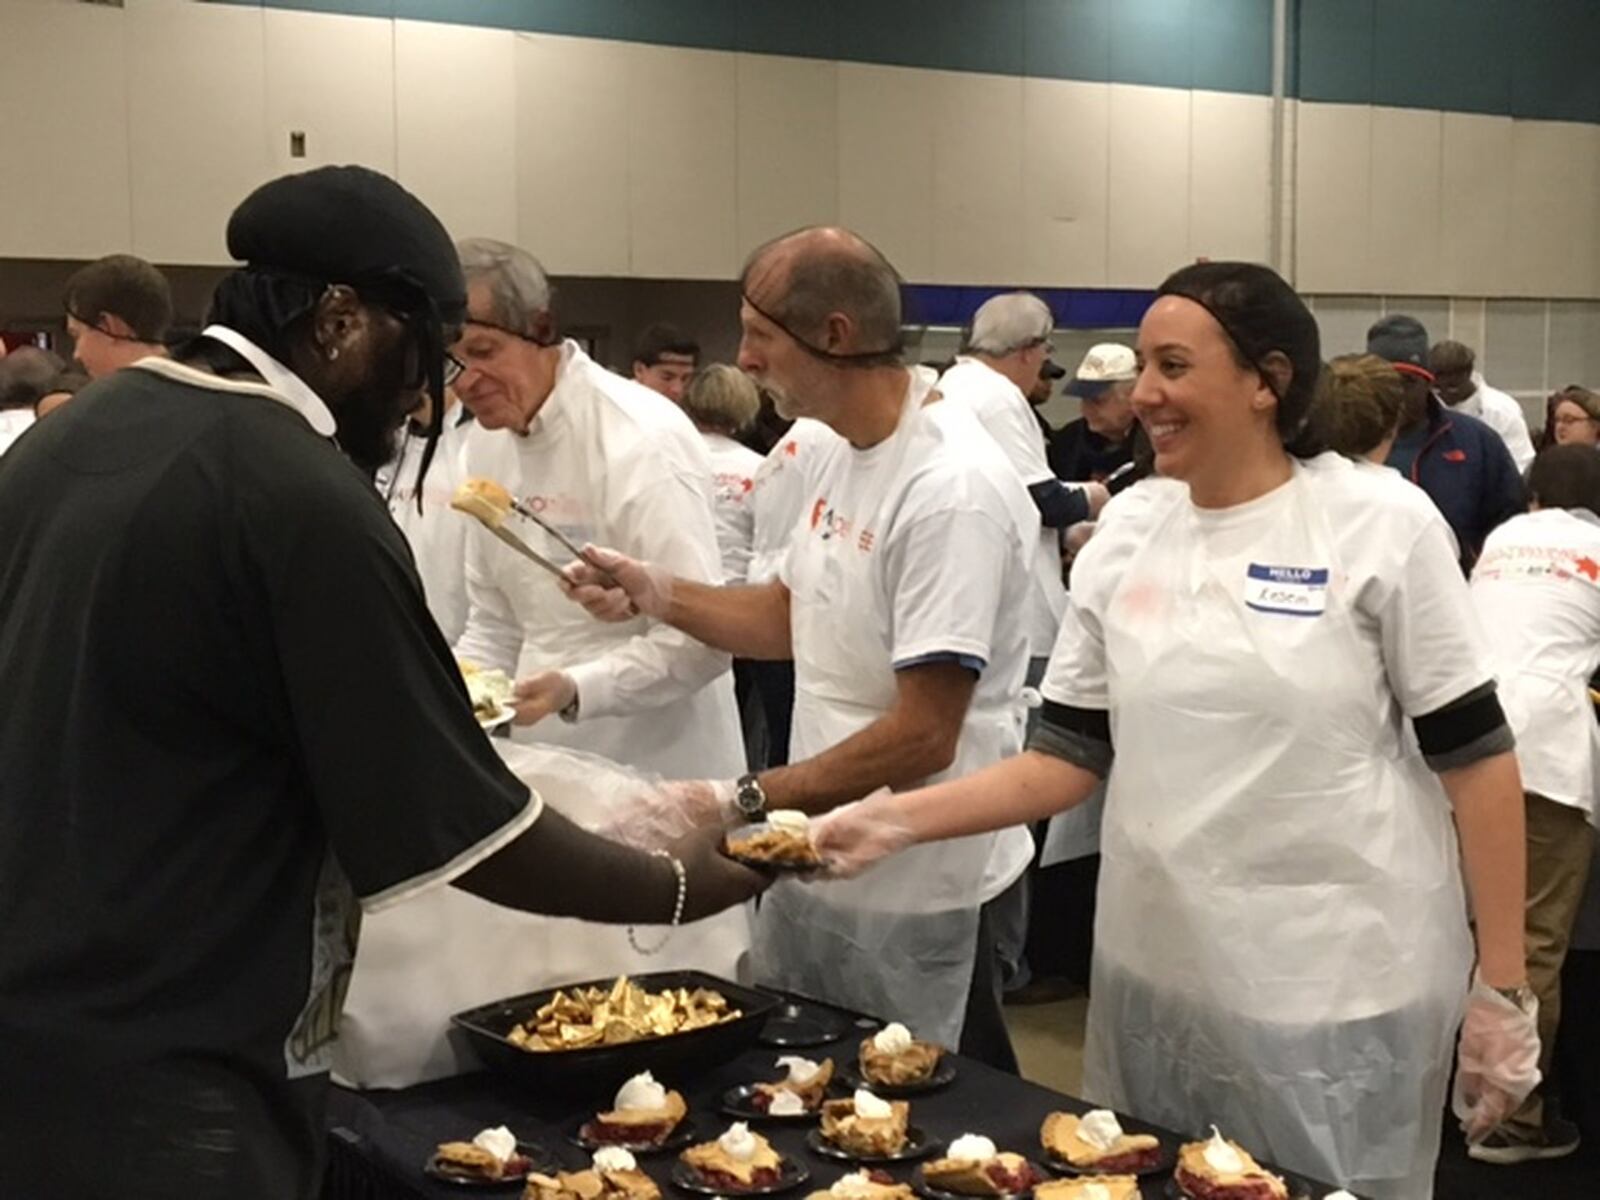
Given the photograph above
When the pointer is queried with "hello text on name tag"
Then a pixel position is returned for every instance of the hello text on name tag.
(1290, 591)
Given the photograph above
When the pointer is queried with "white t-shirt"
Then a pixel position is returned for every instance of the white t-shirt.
(1501, 413)
(1003, 411)
(733, 470)
(14, 422)
(1538, 587)
(780, 495)
(437, 534)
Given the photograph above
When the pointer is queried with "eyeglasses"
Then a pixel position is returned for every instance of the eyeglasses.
(1574, 420)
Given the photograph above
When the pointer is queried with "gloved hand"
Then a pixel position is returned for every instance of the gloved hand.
(1497, 1063)
(701, 802)
(657, 817)
(853, 837)
(613, 587)
(714, 880)
(537, 696)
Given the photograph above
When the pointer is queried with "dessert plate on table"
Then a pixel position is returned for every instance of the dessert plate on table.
(581, 1135)
(943, 1074)
(736, 1102)
(918, 1145)
(791, 1174)
(540, 1161)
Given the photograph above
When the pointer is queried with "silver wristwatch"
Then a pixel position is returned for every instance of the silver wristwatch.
(749, 799)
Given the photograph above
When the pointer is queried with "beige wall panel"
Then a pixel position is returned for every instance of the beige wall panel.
(197, 124)
(682, 147)
(64, 173)
(331, 77)
(1403, 254)
(1334, 185)
(1475, 204)
(1066, 132)
(1149, 190)
(1230, 176)
(977, 178)
(1555, 197)
(572, 153)
(886, 152)
(788, 146)
(456, 124)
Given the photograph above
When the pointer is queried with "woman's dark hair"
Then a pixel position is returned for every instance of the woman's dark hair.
(1261, 316)
(1566, 477)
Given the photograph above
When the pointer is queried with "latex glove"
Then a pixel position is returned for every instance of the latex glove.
(855, 836)
(613, 587)
(537, 696)
(1077, 537)
(714, 880)
(1097, 494)
(1497, 1063)
(701, 802)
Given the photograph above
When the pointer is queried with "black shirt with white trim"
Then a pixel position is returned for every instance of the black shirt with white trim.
(229, 717)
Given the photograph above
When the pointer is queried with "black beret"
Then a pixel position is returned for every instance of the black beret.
(350, 225)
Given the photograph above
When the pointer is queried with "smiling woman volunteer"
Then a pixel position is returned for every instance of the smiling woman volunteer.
(1281, 945)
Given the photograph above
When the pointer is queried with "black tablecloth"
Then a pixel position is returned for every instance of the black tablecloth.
(379, 1141)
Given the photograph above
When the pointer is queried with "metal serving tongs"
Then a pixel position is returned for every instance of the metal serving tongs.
(521, 547)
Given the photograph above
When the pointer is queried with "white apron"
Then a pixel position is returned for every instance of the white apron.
(1281, 946)
(898, 941)
(446, 950)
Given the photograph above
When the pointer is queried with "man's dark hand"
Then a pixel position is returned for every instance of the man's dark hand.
(715, 881)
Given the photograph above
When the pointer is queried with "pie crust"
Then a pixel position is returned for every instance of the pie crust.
(1003, 1175)
(1130, 1152)
(1198, 1179)
(865, 1135)
(592, 1184)
(1121, 1187)
(721, 1170)
(637, 1126)
(915, 1064)
(811, 1093)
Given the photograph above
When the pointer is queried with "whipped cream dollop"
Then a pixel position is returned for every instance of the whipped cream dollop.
(739, 1142)
(789, 820)
(785, 1103)
(972, 1147)
(801, 1070)
(614, 1158)
(893, 1038)
(869, 1106)
(1341, 1194)
(1095, 1191)
(642, 1092)
(1100, 1128)
(499, 1141)
(852, 1186)
(1220, 1156)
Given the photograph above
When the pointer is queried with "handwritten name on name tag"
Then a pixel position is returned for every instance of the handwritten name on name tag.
(1290, 591)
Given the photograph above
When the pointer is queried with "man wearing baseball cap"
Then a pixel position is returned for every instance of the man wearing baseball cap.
(1458, 460)
(1100, 442)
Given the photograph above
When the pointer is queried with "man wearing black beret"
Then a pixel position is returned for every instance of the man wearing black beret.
(231, 723)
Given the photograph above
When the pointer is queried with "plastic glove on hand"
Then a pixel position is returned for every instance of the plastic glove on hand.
(853, 837)
(613, 587)
(1098, 495)
(1497, 1062)
(538, 696)
(701, 803)
(715, 881)
(1077, 537)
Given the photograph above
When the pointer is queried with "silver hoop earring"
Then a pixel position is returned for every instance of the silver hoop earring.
(333, 353)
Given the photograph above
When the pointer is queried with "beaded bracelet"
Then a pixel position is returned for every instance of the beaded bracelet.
(677, 908)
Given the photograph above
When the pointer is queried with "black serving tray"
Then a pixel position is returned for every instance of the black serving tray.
(591, 1071)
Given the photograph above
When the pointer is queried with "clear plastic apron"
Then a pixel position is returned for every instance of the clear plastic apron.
(899, 940)
(1281, 945)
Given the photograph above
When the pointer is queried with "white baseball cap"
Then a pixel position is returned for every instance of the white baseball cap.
(1105, 364)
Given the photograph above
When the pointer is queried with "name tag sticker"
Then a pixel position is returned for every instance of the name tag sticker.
(1290, 591)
